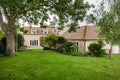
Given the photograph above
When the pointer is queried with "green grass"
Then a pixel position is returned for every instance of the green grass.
(50, 65)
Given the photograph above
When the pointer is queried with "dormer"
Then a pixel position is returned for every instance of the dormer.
(56, 31)
(45, 31)
(33, 31)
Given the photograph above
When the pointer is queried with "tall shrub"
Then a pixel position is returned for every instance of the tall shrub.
(95, 49)
(19, 40)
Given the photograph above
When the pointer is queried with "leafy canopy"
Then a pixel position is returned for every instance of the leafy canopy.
(109, 21)
(39, 11)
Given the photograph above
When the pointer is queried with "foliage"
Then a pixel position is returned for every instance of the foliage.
(20, 29)
(68, 47)
(109, 28)
(19, 40)
(51, 40)
(58, 43)
(7, 52)
(95, 49)
(38, 12)
(109, 22)
(1, 34)
(43, 42)
(3, 45)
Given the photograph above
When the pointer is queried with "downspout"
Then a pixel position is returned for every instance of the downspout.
(84, 39)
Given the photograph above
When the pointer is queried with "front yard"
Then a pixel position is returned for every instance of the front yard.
(50, 65)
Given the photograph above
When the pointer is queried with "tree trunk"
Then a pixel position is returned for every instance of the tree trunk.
(110, 52)
(9, 30)
(11, 44)
(84, 46)
(119, 49)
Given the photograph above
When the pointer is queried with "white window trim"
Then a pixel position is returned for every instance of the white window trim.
(33, 31)
(33, 42)
(45, 31)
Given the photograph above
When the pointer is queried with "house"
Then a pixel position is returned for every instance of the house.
(32, 37)
(84, 36)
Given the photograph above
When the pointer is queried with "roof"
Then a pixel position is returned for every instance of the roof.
(39, 30)
(84, 32)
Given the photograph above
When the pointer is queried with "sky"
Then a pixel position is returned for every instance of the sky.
(96, 3)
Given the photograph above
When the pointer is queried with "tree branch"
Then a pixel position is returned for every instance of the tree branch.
(2, 25)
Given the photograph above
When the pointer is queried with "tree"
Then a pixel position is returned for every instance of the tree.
(109, 22)
(38, 11)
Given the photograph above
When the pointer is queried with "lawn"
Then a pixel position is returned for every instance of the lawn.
(50, 65)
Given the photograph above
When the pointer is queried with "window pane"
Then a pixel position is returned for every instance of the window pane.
(33, 42)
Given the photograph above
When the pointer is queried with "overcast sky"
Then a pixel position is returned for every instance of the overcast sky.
(95, 2)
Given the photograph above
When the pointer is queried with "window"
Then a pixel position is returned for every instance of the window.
(33, 31)
(33, 42)
(56, 31)
(45, 31)
(75, 43)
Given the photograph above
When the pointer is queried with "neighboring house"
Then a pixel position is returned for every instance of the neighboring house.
(32, 37)
(84, 36)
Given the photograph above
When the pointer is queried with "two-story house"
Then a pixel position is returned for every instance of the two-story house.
(32, 37)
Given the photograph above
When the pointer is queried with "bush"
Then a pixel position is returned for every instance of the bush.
(8, 52)
(58, 43)
(49, 41)
(2, 48)
(95, 49)
(46, 48)
(3, 45)
(19, 40)
(68, 47)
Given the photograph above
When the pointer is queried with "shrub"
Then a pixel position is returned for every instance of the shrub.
(58, 43)
(50, 40)
(3, 45)
(19, 40)
(43, 42)
(95, 49)
(68, 47)
(46, 48)
(2, 48)
(7, 52)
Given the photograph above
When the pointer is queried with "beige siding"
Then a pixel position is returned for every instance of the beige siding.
(88, 43)
(115, 49)
(32, 37)
(81, 46)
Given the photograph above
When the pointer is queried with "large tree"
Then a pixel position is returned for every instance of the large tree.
(109, 22)
(35, 11)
